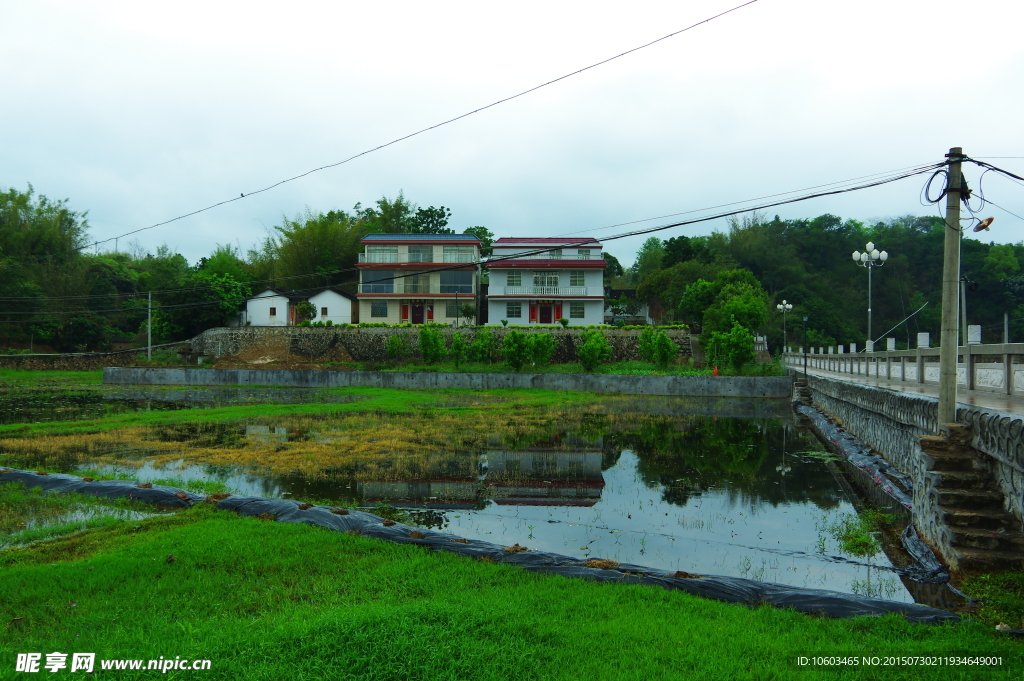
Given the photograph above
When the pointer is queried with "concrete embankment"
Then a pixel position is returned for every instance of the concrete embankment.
(770, 387)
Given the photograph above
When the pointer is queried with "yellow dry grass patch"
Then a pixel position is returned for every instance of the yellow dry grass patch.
(360, 446)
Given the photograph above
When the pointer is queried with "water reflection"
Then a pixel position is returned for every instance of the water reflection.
(707, 495)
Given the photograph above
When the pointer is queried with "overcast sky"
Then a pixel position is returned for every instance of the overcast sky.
(139, 112)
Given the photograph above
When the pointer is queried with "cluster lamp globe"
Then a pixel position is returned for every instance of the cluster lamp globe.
(784, 307)
(870, 259)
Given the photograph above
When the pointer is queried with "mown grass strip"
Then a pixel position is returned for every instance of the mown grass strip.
(265, 600)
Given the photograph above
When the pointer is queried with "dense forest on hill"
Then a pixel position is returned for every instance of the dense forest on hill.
(57, 291)
(808, 263)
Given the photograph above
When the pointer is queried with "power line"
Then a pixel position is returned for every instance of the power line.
(414, 134)
(526, 254)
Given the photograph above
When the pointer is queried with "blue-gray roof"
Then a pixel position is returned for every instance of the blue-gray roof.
(421, 237)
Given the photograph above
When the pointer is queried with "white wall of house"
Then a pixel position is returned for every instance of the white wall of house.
(339, 308)
(258, 309)
(497, 309)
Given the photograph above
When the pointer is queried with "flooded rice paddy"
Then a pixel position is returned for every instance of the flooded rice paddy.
(662, 483)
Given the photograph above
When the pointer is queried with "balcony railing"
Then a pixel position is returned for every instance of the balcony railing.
(550, 291)
(467, 258)
(378, 257)
(546, 256)
(417, 289)
(460, 257)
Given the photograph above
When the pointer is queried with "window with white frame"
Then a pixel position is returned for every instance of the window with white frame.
(576, 278)
(555, 254)
(514, 279)
(576, 311)
(583, 254)
(545, 278)
(379, 308)
(513, 310)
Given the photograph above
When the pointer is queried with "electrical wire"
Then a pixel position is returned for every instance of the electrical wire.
(414, 134)
(272, 280)
(536, 251)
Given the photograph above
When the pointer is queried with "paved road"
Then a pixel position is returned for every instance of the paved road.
(974, 398)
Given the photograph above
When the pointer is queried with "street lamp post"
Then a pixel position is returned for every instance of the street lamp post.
(870, 258)
(784, 307)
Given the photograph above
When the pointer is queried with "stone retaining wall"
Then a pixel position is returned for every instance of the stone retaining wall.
(891, 423)
(367, 344)
(771, 387)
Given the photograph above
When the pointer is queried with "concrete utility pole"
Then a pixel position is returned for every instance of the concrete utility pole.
(149, 328)
(950, 277)
(963, 311)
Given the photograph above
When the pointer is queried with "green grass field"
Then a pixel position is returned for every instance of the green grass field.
(264, 600)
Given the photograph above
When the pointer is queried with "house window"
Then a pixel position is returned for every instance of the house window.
(576, 279)
(273, 312)
(514, 279)
(576, 311)
(465, 254)
(583, 254)
(417, 282)
(451, 309)
(459, 281)
(379, 308)
(381, 254)
(421, 254)
(513, 310)
(555, 254)
(323, 312)
(378, 281)
(545, 279)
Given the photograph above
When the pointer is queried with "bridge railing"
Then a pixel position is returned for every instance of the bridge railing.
(996, 368)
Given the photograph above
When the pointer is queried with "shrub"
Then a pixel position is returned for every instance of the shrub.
(594, 350)
(397, 347)
(542, 346)
(735, 347)
(504, 322)
(564, 322)
(458, 349)
(645, 347)
(431, 345)
(518, 349)
(483, 346)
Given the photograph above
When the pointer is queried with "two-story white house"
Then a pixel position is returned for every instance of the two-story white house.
(564, 281)
(416, 277)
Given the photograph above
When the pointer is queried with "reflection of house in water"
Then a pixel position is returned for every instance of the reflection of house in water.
(266, 433)
(565, 473)
(447, 493)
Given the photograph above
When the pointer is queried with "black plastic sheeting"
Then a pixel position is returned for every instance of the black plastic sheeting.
(927, 567)
(108, 489)
(719, 588)
(860, 455)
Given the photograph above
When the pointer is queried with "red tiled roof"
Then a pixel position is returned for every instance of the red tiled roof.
(538, 264)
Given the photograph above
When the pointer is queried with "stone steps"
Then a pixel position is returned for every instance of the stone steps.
(956, 461)
(963, 480)
(975, 499)
(974, 538)
(972, 518)
(987, 559)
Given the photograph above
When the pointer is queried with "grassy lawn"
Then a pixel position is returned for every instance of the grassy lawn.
(264, 600)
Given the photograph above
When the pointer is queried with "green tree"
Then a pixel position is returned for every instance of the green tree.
(1001, 262)
(397, 347)
(612, 268)
(594, 350)
(305, 311)
(518, 349)
(542, 346)
(431, 345)
(458, 349)
(484, 346)
(734, 347)
(485, 235)
(648, 259)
